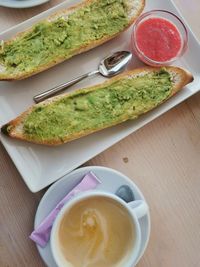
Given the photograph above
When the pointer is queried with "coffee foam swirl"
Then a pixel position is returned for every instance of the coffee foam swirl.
(97, 233)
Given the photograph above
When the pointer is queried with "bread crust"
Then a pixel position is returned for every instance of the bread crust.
(181, 78)
(84, 48)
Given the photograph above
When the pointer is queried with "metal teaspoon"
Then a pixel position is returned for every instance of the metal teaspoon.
(125, 193)
(108, 67)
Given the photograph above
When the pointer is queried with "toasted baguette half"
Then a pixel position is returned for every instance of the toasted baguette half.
(133, 10)
(177, 77)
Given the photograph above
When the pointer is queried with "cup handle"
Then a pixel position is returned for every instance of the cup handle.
(139, 208)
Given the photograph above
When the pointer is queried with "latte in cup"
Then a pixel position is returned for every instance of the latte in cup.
(95, 232)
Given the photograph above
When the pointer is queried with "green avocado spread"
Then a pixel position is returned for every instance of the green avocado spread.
(61, 38)
(111, 103)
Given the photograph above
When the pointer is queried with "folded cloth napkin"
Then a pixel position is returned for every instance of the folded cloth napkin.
(41, 234)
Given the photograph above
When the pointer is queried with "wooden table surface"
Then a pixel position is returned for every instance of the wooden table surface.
(163, 158)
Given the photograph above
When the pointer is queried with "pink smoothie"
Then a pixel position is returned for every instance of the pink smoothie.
(158, 39)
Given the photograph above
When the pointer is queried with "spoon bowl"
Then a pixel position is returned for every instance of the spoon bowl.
(124, 192)
(114, 64)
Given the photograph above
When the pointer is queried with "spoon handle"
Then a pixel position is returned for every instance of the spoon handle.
(42, 96)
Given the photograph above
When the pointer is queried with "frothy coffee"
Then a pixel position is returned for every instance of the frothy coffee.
(96, 232)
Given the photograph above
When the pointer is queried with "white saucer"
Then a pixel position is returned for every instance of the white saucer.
(111, 181)
(21, 3)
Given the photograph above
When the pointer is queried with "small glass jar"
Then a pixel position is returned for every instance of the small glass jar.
(169, 18)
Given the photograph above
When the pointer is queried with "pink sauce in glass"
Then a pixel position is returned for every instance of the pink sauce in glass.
(158, 39)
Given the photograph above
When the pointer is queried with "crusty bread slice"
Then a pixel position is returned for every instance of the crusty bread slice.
(134, 9)
(178, 77)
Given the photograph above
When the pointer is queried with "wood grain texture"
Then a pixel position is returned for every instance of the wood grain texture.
(162, 158)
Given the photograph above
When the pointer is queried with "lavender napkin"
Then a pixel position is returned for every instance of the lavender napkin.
(42, 233)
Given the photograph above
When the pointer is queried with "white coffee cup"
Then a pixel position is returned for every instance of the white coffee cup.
(136, 209)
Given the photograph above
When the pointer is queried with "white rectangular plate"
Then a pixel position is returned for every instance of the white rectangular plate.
(41, 165)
